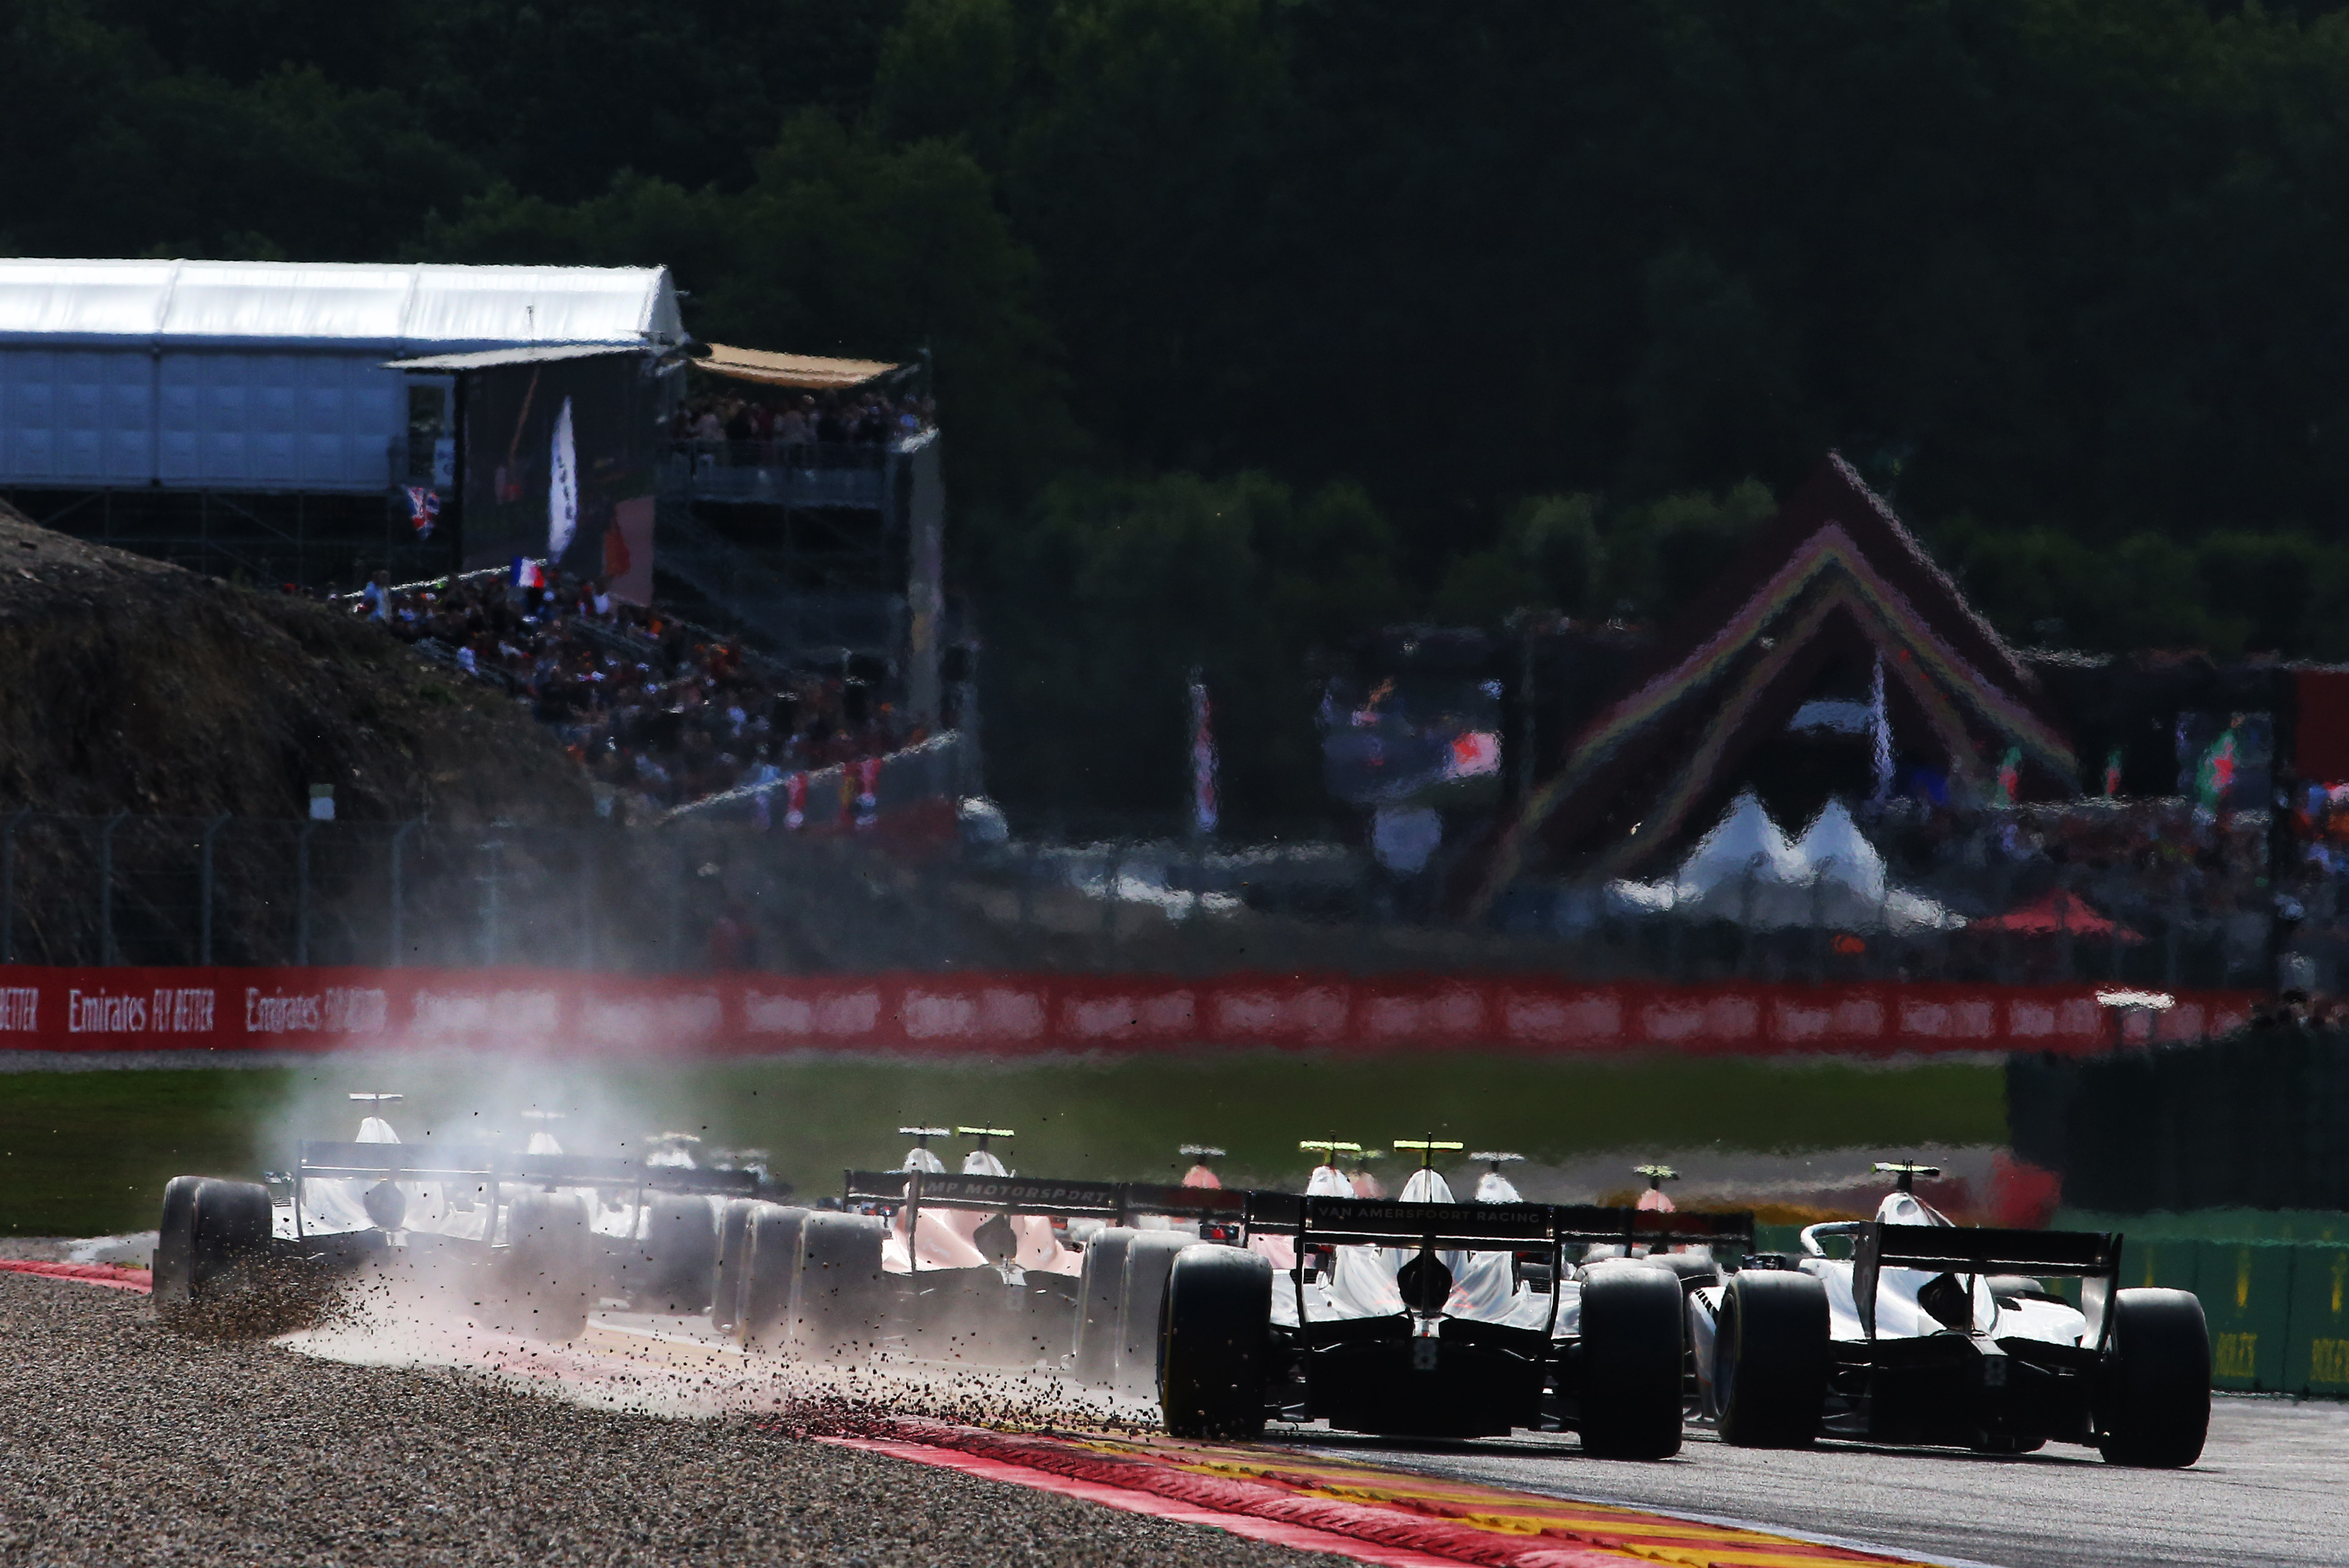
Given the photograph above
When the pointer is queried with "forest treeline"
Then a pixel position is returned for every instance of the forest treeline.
(1257, 323)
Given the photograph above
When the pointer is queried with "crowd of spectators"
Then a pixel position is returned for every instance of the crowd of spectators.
(767, 429)
(659, 712)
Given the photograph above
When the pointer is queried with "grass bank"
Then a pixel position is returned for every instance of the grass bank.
(88, 1153)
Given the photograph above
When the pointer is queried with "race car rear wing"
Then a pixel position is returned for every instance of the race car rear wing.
(383, 1162)
(1348, 1220)
(318, 1159)
(1442, 1227)
(1118, 1202)
(1656, 1228)
(2092, 1257)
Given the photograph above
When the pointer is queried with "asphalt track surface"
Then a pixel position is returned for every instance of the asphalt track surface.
(2272, 1487)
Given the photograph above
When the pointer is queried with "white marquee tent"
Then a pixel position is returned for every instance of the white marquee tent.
(1746, 871)
(267, 376)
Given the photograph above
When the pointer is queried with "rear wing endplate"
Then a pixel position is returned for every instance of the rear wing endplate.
(2092, 1257)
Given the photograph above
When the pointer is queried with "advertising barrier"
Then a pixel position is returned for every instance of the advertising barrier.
(573, 1014)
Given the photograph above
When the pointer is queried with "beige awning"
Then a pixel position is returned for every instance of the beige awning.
(809, 372)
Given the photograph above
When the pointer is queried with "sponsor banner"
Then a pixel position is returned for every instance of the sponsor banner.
(568, 1012)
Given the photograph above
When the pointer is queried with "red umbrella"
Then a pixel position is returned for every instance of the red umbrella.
(2058, 911)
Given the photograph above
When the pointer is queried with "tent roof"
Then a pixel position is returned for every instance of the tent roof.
(1835, 575)
(2053, 911)
(1744, 836)
(490, 359)
(1833, 847)
(407, 309)
(807, 372)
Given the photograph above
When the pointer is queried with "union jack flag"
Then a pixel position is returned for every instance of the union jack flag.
(423, 509)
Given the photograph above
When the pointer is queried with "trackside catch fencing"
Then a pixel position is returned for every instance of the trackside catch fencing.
(572, 1012)
(2260, 1121)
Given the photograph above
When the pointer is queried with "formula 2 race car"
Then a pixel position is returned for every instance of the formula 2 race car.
(1934, 1334)
(1427, 1317)
(524, 1218)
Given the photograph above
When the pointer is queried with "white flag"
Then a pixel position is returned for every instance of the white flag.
(562, 488)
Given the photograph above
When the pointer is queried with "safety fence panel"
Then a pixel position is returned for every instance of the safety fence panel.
(2246, 1291)
(2316, 1351)
(736, 1013)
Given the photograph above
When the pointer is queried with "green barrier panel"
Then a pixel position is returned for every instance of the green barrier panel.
(1777, 1238)
(2246, 1291)
(2317, 1353)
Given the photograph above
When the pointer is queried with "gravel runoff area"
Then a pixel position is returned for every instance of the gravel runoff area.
(123, 1440)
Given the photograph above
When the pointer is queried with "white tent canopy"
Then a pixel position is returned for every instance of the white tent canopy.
(1746, 840)
(1834, 847)
(331, 305)
(1746, 871)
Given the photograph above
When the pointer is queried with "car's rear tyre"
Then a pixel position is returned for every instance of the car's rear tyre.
(680, 1248)
(1631, 1353)
(1099, 1288)
(550, 1263)
(769, 1267)
(2154, 1383)
(840, 1294)
(175, 1245)
(1691, 1269)
(209, 1229)
(1770, 1359)
(1142, 1294)
(1218, 1310)
(726, 1285)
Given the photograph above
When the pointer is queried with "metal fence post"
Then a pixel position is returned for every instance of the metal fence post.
(8, 887)
(399, 896)
(107, 951)
(302, 893)
(489, 943)
(584, 863)
(1027, 894)
(204, 893)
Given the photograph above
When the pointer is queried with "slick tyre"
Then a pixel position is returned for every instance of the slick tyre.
(1218, 1309)
(769, 1270)
(1099, 1288)
(2155, 1384)
(209, 1229)
(1149, 1258)
(841, 1291)
(550, 1263)
(726, 1285)
(175, 1246)
(1770, 1359)
(1632, 1356)
(681, 1245)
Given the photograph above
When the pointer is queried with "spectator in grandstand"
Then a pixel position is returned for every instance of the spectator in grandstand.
(661, 715)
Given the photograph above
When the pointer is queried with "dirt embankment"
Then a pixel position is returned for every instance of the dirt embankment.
(128, 684)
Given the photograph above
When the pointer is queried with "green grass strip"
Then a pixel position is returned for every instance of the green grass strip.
(88, 1153)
